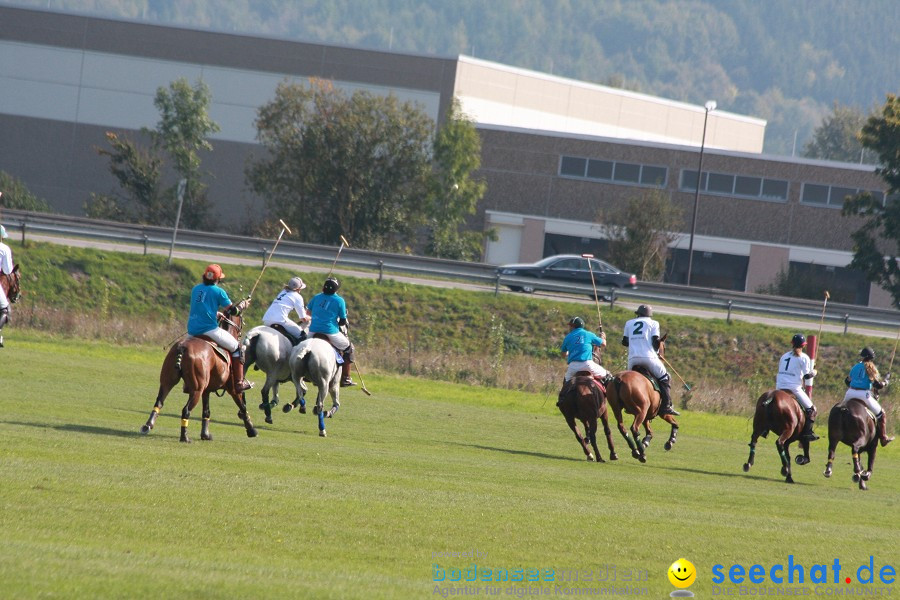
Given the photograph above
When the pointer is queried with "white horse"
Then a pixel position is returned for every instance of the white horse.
(317, 360)
(269, 351)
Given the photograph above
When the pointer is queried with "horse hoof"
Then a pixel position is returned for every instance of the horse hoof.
(801, 460)
(783, 471)
(262, 406)
(667, 446)
(323, 434)
(789, 480)
(856, 478)
(206, 438)
(613, 456)
(642, 458)
(866, 475)
(269, 420)
(863, 486)
(289, 407)
(635, 454)
(185, 440)
(316, 409)
(600, 459)
(746, 467)
(302, 410)
(251, 432)
(590, 458)
(146, 429)
(827, 473)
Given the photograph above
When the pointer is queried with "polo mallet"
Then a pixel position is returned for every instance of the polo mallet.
(822, 320)
(344, 242)
(362, 384)
(815, 356)
(594, 285)
(671, 368)
(894, 352)
(268, 258)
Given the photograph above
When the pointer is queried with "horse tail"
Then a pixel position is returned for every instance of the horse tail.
(303, 357)
(249, 348)
(179, 355)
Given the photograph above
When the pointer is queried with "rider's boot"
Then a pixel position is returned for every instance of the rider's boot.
(4, 319)
(237, 375)
(665, 397)
(881, 430)
(808, 433)
(346, 381)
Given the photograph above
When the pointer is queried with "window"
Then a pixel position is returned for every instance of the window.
(747, 186)
(689, 180)
(600, 169)
(653, 175)
(720, 183)
(838, 194)
(627, 172)
(815, 194)
(775, 188)
(574, 167)
(566, 264)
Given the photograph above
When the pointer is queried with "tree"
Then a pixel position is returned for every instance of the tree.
(640, 234)
(336, 165)
(876, 244)
(453, 193)
(181, 134)
(838, 136)
(17, 196)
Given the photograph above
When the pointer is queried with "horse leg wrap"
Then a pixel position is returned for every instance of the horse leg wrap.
(4, 316)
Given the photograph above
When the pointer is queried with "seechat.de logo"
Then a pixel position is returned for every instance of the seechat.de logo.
(797, 573)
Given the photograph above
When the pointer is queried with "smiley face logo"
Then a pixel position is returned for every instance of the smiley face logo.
(682, 573)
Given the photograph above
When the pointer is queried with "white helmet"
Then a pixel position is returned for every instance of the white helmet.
(3, 233)
(295, 284)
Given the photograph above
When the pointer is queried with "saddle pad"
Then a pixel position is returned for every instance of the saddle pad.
(222, 352)
(649, 377)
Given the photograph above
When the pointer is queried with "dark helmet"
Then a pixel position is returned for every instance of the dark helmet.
(576, 322)
(798, 341)
(331, 285)
(867, 353)
(644, 310)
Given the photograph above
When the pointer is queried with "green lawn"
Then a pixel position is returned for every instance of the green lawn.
(90, 508)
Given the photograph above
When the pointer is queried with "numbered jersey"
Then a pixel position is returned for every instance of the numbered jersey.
(640, 332)
(791, 369)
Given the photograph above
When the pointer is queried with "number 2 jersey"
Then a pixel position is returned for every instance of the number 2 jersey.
(791, 369)
(640, 332)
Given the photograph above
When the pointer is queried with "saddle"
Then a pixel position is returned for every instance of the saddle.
(219, 350)
(653, 381)
(338, 355)
(871, 415)
(292, 339)
(595, 380)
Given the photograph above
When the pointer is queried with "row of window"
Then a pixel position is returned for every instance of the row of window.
(615, 171)
(726, 184)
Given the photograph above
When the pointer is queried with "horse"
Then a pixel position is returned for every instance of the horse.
(11, 284)
(315, 359)
(633, 392)
(267, 349)
(583, 400)
(205, 368)
(778, 411)
(851, 423)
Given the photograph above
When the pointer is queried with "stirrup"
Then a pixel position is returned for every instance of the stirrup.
(885, 441)
(347, 382)
(809, 436)
(671, 411)
(243, 386)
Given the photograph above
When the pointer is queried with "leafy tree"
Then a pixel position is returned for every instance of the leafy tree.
(876, 244)
(355, 165)
(181, 133)
(17, 196)
(837, 137)
(454, 195)
(640, 233)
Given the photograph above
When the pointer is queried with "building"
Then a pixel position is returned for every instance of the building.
(556, 152)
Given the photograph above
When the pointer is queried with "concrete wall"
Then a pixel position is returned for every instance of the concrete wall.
(764, 265)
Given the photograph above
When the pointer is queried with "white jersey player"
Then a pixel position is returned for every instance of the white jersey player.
(6, 266)
(285, 302)
(642, 339)
(794, 368)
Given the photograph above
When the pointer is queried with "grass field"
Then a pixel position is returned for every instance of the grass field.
(90, 508)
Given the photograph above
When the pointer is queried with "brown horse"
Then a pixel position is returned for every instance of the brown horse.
(851, 423)
(10, 284)
(583, 400)
(632, 392)
(778, 411)
(205, 368)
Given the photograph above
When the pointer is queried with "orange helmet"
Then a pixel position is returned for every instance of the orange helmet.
(213, 273)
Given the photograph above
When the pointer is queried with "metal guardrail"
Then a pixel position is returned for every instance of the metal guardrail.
(26, 222)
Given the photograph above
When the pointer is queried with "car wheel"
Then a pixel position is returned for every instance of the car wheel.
(528, 289)
(514, 288)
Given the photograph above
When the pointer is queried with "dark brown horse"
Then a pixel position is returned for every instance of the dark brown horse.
(633, 393)
(583, 400)
(10, 284)
(205, 368)
(779, 412)
(851, 423)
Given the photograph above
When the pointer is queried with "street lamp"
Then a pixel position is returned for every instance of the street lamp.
(710, 106)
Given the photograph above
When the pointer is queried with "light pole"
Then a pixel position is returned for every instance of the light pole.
(710, 106)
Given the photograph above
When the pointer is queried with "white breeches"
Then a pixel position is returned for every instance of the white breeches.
(802, 398)
(338, 340)
(289, 326)
(585, 365)
(652, 364)
(4, 301)
(223, 338)
(867, 397)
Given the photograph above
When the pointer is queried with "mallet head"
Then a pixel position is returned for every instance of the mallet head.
(344, 240)
(285, 227)
(587, 256)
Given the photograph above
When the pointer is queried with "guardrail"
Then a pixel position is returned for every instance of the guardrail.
(727, 301)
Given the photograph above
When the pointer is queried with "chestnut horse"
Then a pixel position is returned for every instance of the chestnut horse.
(851, 423)
(634, 393)
(584, 401)
(779, 412)
(199, 363)
(10, 284)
